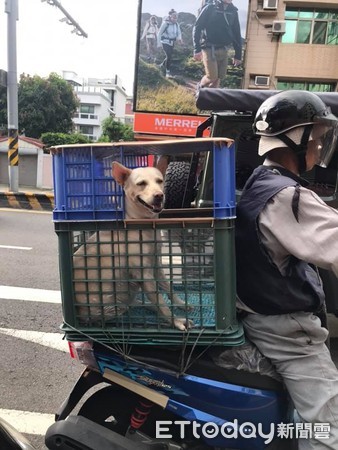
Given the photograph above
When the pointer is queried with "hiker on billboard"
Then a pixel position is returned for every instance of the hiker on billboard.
(216, 29)
(168, 34)
(150, 33)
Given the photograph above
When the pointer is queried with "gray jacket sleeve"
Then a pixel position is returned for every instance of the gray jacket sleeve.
(314, 238)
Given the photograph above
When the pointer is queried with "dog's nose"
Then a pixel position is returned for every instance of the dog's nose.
(158, 197)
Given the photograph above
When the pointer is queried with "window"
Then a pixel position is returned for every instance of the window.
(311, 26)
(87, 109)
(86, 129)
(305, 86)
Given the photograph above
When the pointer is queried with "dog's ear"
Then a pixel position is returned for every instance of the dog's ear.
(120, 173)
(162, 164)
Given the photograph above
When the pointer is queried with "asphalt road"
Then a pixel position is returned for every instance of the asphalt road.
(34, 378)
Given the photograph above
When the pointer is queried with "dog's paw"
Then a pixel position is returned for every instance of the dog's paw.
(183, 324)
(182, 304)
(185, 307)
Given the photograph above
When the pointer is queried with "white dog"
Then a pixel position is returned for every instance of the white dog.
(120, 264)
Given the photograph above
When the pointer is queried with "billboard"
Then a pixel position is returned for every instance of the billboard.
(183, 44)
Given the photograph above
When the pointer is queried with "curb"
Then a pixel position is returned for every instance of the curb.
(27, 200)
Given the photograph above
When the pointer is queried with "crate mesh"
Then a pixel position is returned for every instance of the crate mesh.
(84, 186)
(138, 280)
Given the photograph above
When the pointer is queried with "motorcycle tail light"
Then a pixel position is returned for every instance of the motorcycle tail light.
(83, 352)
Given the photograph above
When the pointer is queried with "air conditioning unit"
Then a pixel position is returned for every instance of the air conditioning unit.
(278, 26)
(261, 80)
(270, 4)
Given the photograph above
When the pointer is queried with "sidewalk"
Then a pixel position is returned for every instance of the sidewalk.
(28, 197)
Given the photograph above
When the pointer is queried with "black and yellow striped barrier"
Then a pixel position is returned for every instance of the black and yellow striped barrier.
(13, 148)
(27, 200)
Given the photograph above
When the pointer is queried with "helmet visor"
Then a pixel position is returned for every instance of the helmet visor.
(326, 138)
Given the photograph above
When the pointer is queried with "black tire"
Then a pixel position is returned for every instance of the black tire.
(177, 189)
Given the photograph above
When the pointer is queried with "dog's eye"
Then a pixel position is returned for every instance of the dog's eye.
(159, 181)
(141, 183)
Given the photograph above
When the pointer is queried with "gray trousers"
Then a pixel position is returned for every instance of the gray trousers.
(295, 344)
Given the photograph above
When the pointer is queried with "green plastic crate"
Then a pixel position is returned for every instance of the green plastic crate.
(197, 257)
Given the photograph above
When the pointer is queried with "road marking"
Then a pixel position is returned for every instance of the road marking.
(15, 247)
(28, 422)
(30, 211)
(30, 294)
(52, 340)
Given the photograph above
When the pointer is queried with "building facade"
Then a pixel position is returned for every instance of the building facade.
(99, 99)
(292, 45)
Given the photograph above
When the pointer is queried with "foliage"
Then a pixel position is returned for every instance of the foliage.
(156, 93)
(235, 75)
(114, 131)
(104, 138)
(3, 108)
(45, 105)
(193, 69)
(52, 139)
(151, 76)
(176, 99)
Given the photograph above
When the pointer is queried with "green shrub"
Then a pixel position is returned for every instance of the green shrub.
(52, 139)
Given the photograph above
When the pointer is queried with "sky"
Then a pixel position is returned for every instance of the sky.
(45, 45)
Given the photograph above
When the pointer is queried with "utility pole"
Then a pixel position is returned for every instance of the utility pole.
(11, 8)
(67, 18)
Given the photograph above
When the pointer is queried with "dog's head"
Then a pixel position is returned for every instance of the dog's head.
(143, 189)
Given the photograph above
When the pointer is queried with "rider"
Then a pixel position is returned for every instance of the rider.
(283, 232)
(216, 29)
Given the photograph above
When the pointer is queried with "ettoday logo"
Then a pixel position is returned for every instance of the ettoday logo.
(246, 430)
(211, 430)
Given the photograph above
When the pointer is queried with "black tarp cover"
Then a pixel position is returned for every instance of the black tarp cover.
(247, 99)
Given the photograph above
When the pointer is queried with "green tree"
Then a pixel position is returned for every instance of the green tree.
(114, 131)
(45, 105)
(3, 108)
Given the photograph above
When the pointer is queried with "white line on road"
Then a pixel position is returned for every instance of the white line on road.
(25, 211)
(28, 422)
(30, 294)
(15, 247)
(25, 421)
(52, 340)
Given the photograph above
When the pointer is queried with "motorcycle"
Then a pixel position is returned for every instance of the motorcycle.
(176, 397)
(164, 398)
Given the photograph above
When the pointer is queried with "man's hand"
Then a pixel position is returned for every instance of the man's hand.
(198, 56)
(236, 62)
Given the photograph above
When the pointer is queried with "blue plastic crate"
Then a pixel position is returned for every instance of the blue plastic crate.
(224, 181)
(84, 188)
